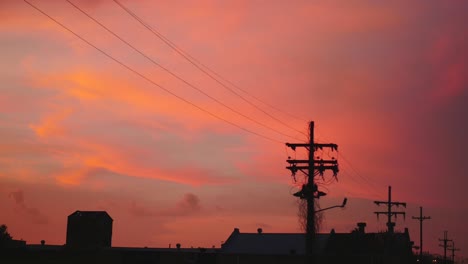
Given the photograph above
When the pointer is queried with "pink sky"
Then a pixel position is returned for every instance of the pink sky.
(387, 82)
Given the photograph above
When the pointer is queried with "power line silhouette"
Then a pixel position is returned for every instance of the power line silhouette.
(175, 75)
(209, 72)
(148, 79)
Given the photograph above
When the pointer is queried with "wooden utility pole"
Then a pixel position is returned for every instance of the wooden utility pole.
(421, 218)
(310, 190)
(390, 213)
(453, 251)
(445, 245)
(310, 225)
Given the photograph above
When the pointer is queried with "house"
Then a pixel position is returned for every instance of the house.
(354, 247)
(264, 243)
(89, 229)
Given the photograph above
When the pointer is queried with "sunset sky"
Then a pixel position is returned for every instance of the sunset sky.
(182, 154)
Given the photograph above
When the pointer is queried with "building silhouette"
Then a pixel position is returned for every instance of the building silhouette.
(89, 229)
(353, 247)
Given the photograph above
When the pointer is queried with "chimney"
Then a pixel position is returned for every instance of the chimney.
(259, 231)
(236, 230)
(361, 227)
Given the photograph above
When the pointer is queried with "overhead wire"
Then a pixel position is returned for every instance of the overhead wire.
(208, 71)
(366, 180)
(148, 79)
(175, 75)
(165, 89)
(343, 170)
(353, 175)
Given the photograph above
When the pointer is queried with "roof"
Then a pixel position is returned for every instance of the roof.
(91, 214)
(270, 243)
(345, 244)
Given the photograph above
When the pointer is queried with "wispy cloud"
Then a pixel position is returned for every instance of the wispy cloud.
(32, 214)
(188, 205)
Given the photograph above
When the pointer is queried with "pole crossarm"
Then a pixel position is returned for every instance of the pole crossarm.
(453, 249)
(445, 245)
(315, 161)
(421, 218)
(392, 213)
(295, 167)
(391, 203)
(332, 146)
(312, 167)
(320, 168)
(389, 211)
(450, 248)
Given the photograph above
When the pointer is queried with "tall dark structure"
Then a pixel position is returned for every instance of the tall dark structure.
(389, 212)
(453, 249)
(421, 218)
(89, 229)
(309, 192)
(445, 245)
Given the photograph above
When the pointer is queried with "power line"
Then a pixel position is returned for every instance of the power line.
(173, 74)
(352, 177)
(370, 187)
(355, 171)
(197, 64)
(148, 79)
(365, 179)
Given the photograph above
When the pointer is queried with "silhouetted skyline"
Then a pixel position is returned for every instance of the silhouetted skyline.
(387, 82)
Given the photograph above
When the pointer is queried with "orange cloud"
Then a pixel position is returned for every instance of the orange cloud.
(85, 86)
(50, 124)
(87, 157)
(73, 178)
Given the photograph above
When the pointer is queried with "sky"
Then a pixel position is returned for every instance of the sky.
(182, 145)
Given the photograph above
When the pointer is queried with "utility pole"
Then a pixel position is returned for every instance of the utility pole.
(421, 218)
(445, 246)
(390, 213)
(311, 167)
(453, 251)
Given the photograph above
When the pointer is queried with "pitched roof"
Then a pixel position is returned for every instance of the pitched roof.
(270, 243)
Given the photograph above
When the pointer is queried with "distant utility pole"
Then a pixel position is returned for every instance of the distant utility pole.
(311, 167)
(445, 245)
(389, 212)
(453, 251)
(421, 218)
